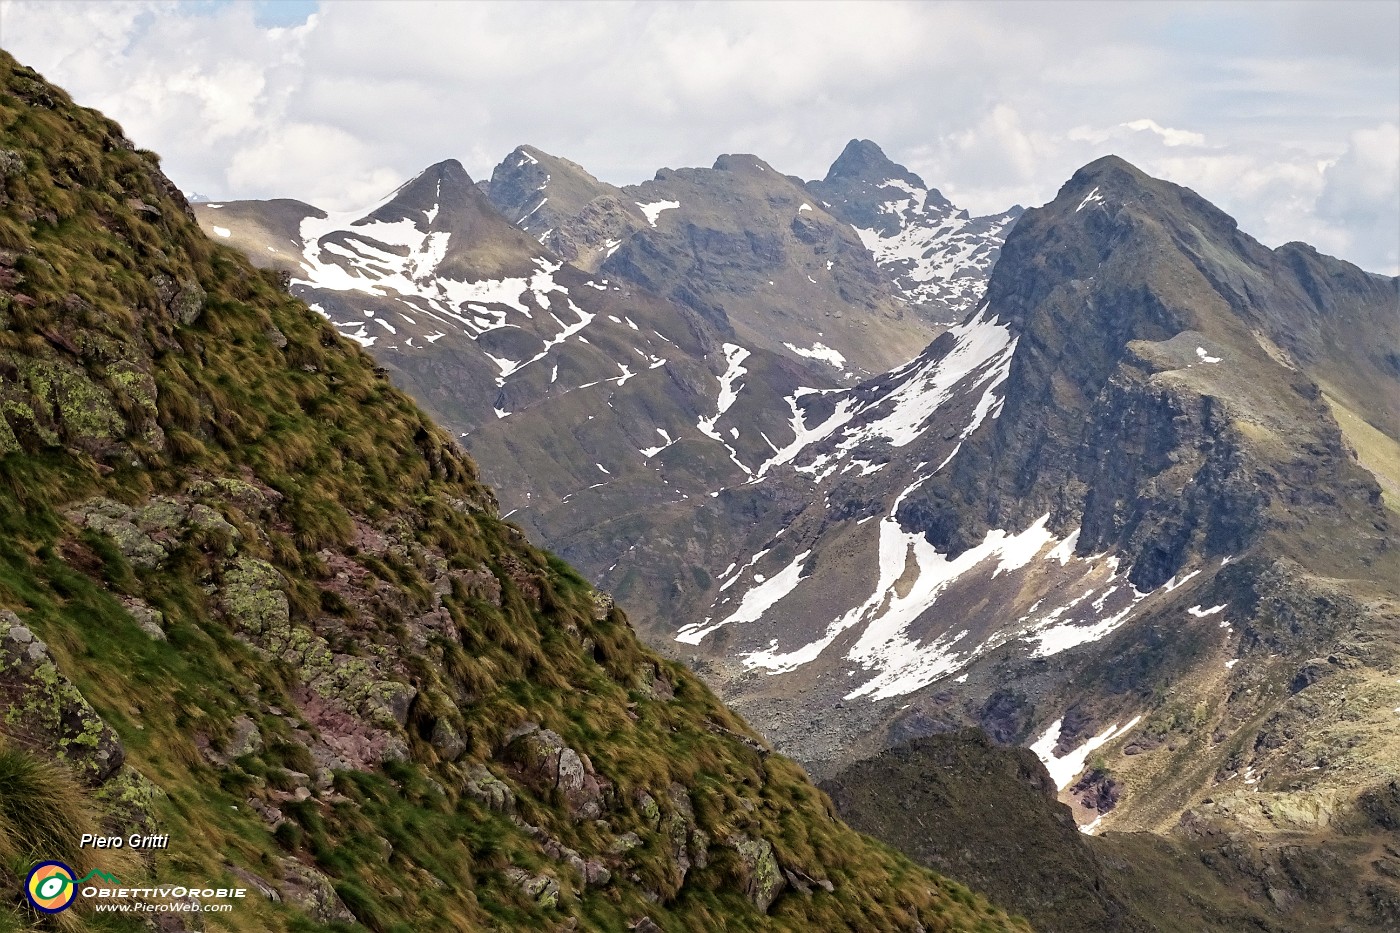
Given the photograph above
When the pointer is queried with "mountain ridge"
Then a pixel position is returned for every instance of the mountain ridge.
(255, 599)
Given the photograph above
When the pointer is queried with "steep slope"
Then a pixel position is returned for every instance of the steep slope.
(576, 216)
(739, 244)
(583, 396)
(938, 257)
(1111, 513)
(988, 816)
(256, 601)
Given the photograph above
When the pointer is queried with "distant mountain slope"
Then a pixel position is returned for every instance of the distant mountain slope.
(1110, 513)
(591, 400)
(938, 257)
(988, 816)
(252, 598)
(577, 217)
(742, 245)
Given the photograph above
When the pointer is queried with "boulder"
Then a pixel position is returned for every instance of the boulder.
(488, 790)
(760, 874)
(545, 763)
(45, 710)
(541, 888)
(312, 892)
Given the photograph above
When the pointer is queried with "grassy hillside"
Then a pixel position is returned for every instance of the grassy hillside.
(254, 599)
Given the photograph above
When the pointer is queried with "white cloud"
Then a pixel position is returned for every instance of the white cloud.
(993, 103)
(1169, 136)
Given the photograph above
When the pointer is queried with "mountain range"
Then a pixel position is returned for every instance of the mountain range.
(256, 603)
(642, 347)
(1133, 509)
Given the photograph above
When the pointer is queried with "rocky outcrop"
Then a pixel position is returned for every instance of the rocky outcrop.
(546, 764)
(312, 892)
(690, 845)
(488, 790)
(42, 708)
(541, 888)
(759, 872)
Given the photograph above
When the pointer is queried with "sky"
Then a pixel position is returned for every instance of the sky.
(1286, 115)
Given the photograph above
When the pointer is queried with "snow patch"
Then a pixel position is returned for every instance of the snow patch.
(654, 209)
(755, 603)
(1065, 768)
(820, 351)
(1093, 197)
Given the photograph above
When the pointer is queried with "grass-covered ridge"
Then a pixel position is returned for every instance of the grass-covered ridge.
(258, 601)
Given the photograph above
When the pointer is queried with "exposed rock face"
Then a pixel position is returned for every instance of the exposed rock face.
(989, 815)
(546, 764)
(488, 790)
(541, 888)
(761, 874)
(574, 215)
(689, 843)
(1116, 505)
(44, 710)
(939, 257)
(313, 892)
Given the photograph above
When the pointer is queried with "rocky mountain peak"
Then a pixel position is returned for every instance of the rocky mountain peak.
(440, 189)
(938, 256)
(863, 160)
(744, 162)
(561, 205)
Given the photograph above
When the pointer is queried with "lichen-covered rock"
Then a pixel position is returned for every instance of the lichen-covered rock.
(212, 530)
(488, 790)
(184, 300)
(254, 599)
(254, 500)
(625, 843)
(45, 710)
(651, 811)
(447, 740)
(760, 874)
(542, 889)
(545, 763)
(82, 410)
(9, 443)
(689, 843)
(311, 891)
(151, 621)
(11, 164)
(602, 605)
(256, 882)
(131, 800)
(118, 522)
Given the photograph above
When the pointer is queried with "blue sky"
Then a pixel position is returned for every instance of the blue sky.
(1287, 115)
(266, 13)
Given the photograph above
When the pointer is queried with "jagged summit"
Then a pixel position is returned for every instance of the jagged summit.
(561, 205)
(742, 162)
(937, 255)
(440, 190)
(863, 160)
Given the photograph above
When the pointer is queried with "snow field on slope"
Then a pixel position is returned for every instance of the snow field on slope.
(755, 603)
(1064, 769)
(654, 209)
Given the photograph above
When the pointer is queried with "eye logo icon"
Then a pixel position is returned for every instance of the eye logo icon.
(51, 887)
